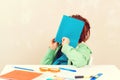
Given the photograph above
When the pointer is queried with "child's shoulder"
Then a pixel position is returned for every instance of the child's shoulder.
(84, 46)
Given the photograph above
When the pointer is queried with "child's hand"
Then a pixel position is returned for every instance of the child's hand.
(53, 44)
(65, 40)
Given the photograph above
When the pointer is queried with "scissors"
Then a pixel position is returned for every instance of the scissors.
(44, 69)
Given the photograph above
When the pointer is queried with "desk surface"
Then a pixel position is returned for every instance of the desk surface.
(110, 72)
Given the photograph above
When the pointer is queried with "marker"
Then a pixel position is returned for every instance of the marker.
(96, 76)
(23, 68)
(67, 69)
(76, 77)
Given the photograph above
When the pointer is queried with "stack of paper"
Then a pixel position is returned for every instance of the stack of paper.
(20, 75)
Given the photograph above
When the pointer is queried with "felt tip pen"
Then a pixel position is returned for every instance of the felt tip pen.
(81, 76)
(96, 76)
(67, 69)
(23, 68)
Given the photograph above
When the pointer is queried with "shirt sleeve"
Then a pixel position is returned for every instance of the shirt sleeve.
(78, 56)
(48, 58)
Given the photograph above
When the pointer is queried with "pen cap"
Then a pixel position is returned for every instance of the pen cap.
(98, 75)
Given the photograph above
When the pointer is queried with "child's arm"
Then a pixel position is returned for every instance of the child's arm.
(78, 56)
(49, 57)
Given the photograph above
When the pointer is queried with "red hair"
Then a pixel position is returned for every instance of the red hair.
(86, 30)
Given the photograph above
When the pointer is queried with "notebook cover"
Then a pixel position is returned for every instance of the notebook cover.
(71, 28)
(20, 75)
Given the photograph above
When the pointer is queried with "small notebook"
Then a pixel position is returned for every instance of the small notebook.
(71, 28)
(20, 75)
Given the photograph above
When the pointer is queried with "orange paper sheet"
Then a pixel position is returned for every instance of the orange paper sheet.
(20, 75)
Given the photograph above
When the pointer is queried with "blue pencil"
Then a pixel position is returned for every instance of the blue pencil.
(67, 69)
(23, 68)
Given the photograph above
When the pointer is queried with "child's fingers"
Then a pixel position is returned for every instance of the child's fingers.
(53, 40)
(64, 38)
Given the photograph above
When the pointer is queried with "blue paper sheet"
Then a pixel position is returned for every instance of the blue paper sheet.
(71, 28)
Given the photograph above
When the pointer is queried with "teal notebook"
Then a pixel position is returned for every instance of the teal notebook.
(71, 28)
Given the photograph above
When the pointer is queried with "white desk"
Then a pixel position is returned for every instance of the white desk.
(110, 72)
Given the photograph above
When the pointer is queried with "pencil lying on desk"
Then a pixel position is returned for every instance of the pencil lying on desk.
(23, 68)
(67, 69)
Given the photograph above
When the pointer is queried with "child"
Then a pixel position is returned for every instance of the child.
(64, 54)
